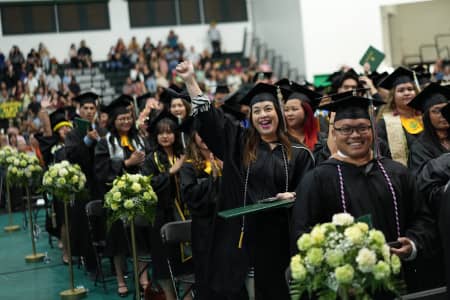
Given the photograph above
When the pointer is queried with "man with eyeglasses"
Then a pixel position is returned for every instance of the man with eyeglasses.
(358, 181)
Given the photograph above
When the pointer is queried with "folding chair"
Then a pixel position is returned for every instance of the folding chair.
(96, 215)
(174, 233)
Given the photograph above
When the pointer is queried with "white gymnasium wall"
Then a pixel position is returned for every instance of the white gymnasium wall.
(101, 41)
(338, 33)
(278, 23)
(415, 24)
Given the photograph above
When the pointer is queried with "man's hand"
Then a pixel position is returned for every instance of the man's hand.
(405, 250)
(285, 196)
(93, 134)
(185, 70)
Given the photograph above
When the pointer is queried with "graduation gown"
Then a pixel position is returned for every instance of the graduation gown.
(166, 187)
(367, 192)
(422, 150)
(200, 191)
(444, 226)
(109, 164)
(266, 235)
(78, 153)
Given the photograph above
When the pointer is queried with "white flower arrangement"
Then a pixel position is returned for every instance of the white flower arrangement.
(131, 195)
(342, 259)
(64, 180)
(7, 155)
(23, 169)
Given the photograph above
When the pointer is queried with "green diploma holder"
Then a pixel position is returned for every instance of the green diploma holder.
(261, 206)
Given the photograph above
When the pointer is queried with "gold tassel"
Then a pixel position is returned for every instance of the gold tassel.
(241, 237)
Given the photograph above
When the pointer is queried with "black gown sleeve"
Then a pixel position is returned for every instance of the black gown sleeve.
(304, 162)
(321, 151)
(420, 223)
(381, 131)
(106, 169)
(433, 179)
(161, 181)
(197, 192)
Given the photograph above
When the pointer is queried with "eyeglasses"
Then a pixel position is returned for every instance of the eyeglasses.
(124, 120)
(347, 131)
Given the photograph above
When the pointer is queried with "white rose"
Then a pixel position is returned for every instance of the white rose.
(62, 172)
(53, 173)
(116, 196)
(134, 177)
(366, 260)
(28, 174)
(128, 204)
(64, 163)
(343, 219)
(354, 234)
(136, 187)
(74, 178)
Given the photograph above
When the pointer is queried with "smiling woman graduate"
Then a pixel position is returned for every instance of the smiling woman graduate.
(258, 162)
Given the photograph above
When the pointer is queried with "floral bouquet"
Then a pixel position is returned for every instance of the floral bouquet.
(344, 259)
(63, 180)
(23, 170)
(131, 195)
(7, 155)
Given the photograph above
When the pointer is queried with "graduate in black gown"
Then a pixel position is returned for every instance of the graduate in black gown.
(53, 151)
(121, 150)
(399, 125)
(200, 181)
(164, 163)
(435, 138)
(444, 226)
(259, 162)
(356, 182)
(79, 145)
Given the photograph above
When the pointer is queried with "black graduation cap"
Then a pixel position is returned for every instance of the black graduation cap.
(58, 119)
(445, 111)
(88, 97)
(222, 89)
(284, 83)
(169, 94)
(350, 106)
(264, 92)
(377, 77)
(71, 112)
(231, 104)
(399, 76)
(261, 76)
(304, 94)
(433, 94)
(142, 100)
(119, 106)
(163, 114)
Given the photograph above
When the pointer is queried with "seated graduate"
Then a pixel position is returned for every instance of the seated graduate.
(435, 138)
(356, 181)
(259, 162)
(121, 150)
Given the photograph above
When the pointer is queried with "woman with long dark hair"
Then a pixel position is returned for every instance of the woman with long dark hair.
(164, 164)
(259, 163)
(200, 180)
(121, 150)
(399, 125)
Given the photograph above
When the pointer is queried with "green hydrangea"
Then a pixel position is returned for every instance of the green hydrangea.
(344, 274)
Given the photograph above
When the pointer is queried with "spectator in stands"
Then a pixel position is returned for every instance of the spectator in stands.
(18, 91)
(32, 59)
(73, 56)
(147, 48)
(40, 94)
(16, 58)
(133, 50)
(149, 79)
(44, 54)
(128, 87)
(74, 87)
(172, 58)
(84, 54)
(265, 66)
(67, 78)
(53, 81)
(2, 61)
(32, 123)
(136, 73)
(172, 40)
(31, 82)
(215, 39)
(192, 55)
(4, 95)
